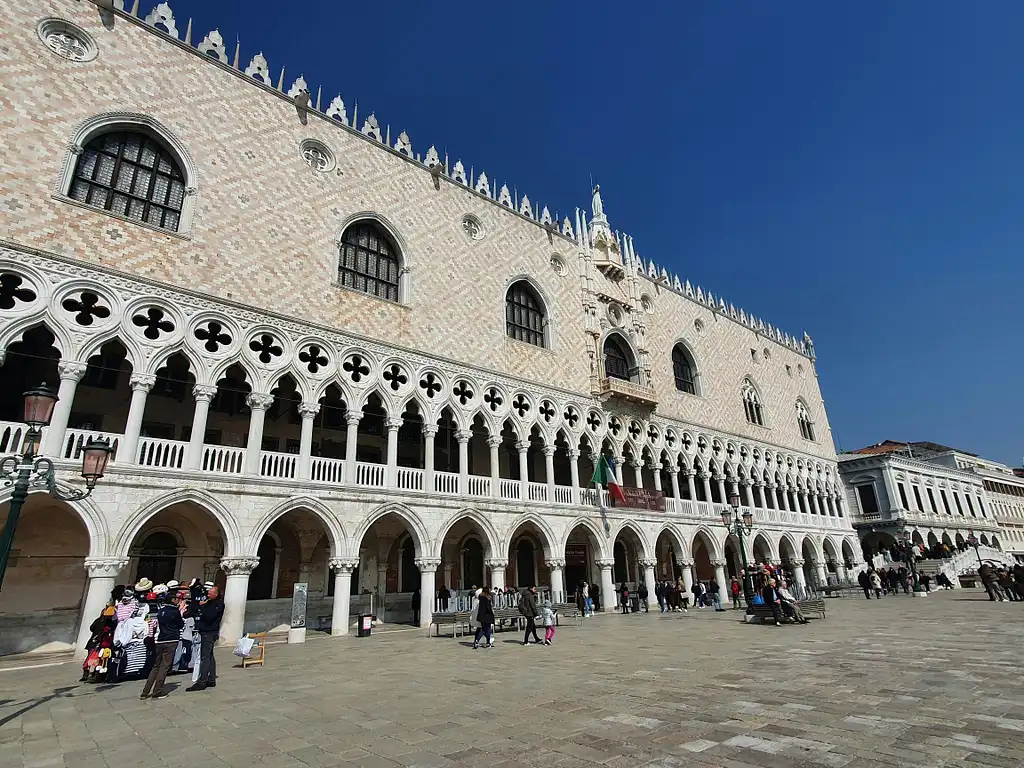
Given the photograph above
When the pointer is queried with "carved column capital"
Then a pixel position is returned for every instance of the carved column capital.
(463, 435)
(393, 424)
(523, 446)
(496, 563)
(239, 566)
(549, 450)
(204, 392)
(573, 454)
(428, 564)
(605, 564)
(343, 565)
(71, 370)
(718, 563)
(552, 564)
(430, 430)
(796, 563)
(141, 381)
(645, 564)
(494, 441)
(352, 418)
(105, 567)
(259, 401)
(309, 410)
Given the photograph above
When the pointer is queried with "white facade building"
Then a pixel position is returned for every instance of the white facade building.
(325, 357)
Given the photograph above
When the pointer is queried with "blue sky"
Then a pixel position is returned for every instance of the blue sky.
(852, 169)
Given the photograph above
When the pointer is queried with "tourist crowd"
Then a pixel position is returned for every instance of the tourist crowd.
(148, 631)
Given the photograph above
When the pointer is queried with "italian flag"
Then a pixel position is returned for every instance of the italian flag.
(603, 475)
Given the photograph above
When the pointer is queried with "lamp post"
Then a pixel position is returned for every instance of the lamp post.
(907, 549)
(28, 471)
(973, 541)
(736, 524)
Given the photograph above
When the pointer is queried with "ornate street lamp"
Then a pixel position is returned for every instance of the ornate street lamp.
(972, 540)
(738, 525)
(28, 471)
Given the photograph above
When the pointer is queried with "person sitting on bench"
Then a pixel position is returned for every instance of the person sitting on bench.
(790, 605)
(772, 601)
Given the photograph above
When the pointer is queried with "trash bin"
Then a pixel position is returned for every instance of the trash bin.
(365, 625)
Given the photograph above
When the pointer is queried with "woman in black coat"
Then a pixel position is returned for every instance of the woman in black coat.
(484, 619)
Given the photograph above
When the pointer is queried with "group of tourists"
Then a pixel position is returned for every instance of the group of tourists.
(588, 598)
(784, 605)
(150, 630)
(1002, 583)
(481, 618)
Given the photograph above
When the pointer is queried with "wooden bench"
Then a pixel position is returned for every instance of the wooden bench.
(834, 590)
(817, 606)
(570, 610)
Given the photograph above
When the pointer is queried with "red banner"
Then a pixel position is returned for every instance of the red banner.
(641, 498)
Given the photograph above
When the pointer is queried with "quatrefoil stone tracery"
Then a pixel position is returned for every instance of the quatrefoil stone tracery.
(87, 308)
(546, 410)
(493, 399)
(394, 376)
(266, 347)
(12, 293)
(520, 404)
(463, 392)
(314, 358)
(213, 336)
(356, 368)
(430, 385)
(571, 417)
(153, 322)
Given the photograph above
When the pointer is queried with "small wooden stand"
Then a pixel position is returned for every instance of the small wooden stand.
(259, 650)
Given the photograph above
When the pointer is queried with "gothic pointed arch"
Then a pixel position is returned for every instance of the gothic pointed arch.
(334, 527)
(417, 530)
(233, 540)
(481, 524)
(684, 369)
(372, 258)
(752, 408)
(527, 314)
(620, 359)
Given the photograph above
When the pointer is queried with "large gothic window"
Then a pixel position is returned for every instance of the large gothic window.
(524, 314)
(683, 370)
(369, 261)
(752, 404)
(616, 360)
(804, 420)
(133, 175)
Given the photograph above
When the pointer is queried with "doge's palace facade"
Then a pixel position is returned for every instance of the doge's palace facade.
(326, 357)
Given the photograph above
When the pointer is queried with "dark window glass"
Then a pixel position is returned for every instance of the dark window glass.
(369, 261)
(868, 502)
(524, 317)
(616, 361)
(682, 369)
(131, 175)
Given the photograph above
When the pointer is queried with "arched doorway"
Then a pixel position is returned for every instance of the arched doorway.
(669, 552)
(195, 534)
(582, 551)
(158, 557)
(472, 563)
(388, 576)
(526, 563)
(703, 549)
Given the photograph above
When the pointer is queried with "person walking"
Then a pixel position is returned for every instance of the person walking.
(643, 594)
(735, 589)
(416, 607)
(595, 597)
(624, 598)
(484, 619)
(876, 584)
(865, 583)
(528, 609)
(588, 601)
(716, 597)
(547, 620)
(211, 611)
(659, 593)
(988, 578)
(168, 634)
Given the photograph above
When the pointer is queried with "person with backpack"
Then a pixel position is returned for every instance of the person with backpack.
(624, 598)
(528, 608)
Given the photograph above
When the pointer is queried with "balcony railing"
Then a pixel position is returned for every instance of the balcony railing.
(172, 455)
(628, 390)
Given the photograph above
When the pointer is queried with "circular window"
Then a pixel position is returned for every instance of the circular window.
(317, 156)
(558, 265)
(647, 304)
(472, 227)
(800, 371)
(66, 40)
(767, 354)
(615, 314)
(698, 326)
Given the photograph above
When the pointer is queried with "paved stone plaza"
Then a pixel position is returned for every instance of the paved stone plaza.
(900, 681)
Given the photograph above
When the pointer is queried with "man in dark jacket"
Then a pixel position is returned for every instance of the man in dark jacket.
(528, 608)
(168, 633)
(208, 617)
(772, 600)
(643, 594)
(865, 583)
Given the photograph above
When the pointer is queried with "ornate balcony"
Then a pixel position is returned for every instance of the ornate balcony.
(628, 390)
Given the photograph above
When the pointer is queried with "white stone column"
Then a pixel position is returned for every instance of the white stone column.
(238, 570)
(895, 503)
(342, 594)
(723, 585)
(815, 508)
(748, 493)
(429, 433)
(549, 471)
(721, 490)
(497, 567)
(798, 574)
(102, 574)
(648, 566)
(448, 568)
(428, 578)
(690, 485)
(493, 443)
(203, 394)
(308, 412)
(608, 600)
(705, 478)
(557, 580)
(783, 491)
(574, 474)
(638, 472)
(759, 500)
(841, 572)
(462, 437)
(656, 472)
(258, 403)
(617, 464)
(779, 495)
(839, 505)
(391, 470)
(352, 419)
(687, 568)
(524, 470)
(71, 373)
(673, 477)
(820, 572)
(128, 450)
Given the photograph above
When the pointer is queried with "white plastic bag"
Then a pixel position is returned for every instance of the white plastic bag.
(244, 646)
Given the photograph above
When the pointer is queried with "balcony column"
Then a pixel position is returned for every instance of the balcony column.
(497, 568)
(557, 580)
(782, 494)
(759, 495)
(352, 419)
(801, 501)
(462, 437)
(549, 471)
(673, 478)
(238, 570)
(748, 493)
(839, 505)
(617, 464)
(128, 450)
(308, 412)
(258, 403)
(428, 579)
(391, 471)
(638, 472)
(524, 470)
(342, 594)
(721, 490)
(705, 478)
(493, 443)
(203, 394)
(574, 474)
(102, 572)
(429, 433)
(815, 507)
(656, 471)
(691, 487)
(71, 373)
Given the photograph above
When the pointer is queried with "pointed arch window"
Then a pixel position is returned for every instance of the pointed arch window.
(803, 419)
(752, 404)
(683, 370)
(369, 261)
(133, 175)
(524, 314)
(616, 360)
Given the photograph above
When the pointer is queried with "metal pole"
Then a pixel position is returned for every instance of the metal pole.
(748, 589)
(18, 497)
